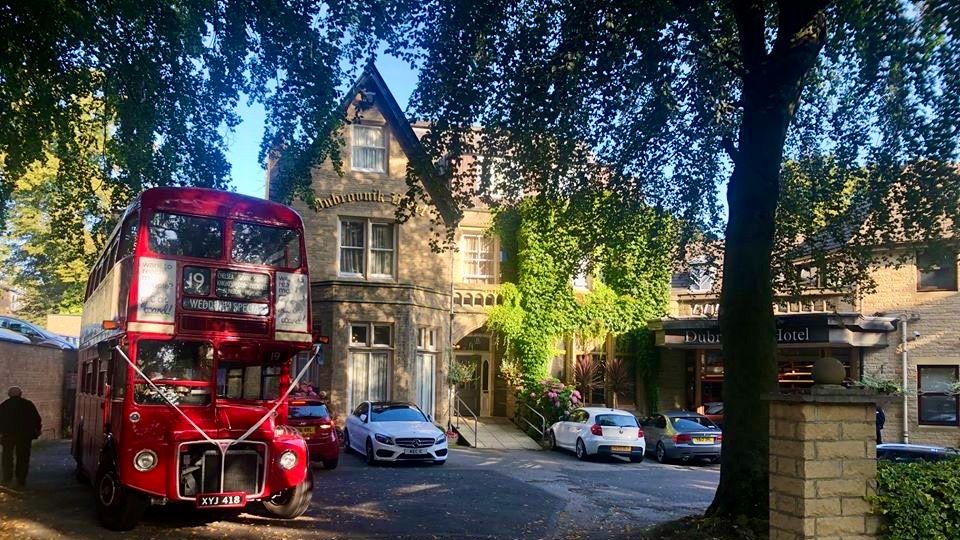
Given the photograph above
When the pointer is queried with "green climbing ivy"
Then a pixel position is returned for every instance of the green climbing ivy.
(630, 259)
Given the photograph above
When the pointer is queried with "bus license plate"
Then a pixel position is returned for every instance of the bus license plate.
(703, 440)
(415, 451)
(620, 448)
(221, 500)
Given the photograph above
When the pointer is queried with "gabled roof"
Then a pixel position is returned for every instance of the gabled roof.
(436, 186)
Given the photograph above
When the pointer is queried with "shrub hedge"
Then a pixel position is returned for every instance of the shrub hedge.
(919, 500)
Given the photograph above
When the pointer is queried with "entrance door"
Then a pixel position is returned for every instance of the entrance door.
(425, 373)
(469, 391)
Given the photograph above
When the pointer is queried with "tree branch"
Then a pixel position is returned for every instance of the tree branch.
(749, 15)
(727, 144)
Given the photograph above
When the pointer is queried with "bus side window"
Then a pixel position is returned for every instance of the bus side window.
(128, 235)
(102, 376)
(88, 378)
(118, 377)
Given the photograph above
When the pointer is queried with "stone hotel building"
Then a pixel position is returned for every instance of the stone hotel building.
(397, 312)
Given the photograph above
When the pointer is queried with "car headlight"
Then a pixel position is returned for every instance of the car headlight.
(383, 438)
(441, 439)
(288, 460)
(145, 460)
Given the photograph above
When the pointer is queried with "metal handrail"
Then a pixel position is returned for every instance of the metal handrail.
(476, 420)
(543, 421)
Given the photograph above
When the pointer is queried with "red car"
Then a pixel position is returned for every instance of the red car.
(312, 419)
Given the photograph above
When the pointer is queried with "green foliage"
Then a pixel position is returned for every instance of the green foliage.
(880, 384)
(919, 500)
(56, 225)
(541, 307)
(169, 75)
(648, 368)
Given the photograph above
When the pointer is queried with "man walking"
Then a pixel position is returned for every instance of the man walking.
(19, 425)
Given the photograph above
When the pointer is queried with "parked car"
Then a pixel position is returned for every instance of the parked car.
(35, 334)
(394, 431)
(907, 453)
(592, 431)
(683, 435)
(312, 418)
(10, 335)
(714, 411)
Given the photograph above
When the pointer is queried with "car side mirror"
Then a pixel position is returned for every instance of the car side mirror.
(363, 418)
(429, 418)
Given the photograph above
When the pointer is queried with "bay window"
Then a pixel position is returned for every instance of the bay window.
(370, 362)
(478, 259)
(367, 248)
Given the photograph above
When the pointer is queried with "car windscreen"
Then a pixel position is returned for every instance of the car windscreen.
(187, 236)
(401, 413)
(308, 410)
(180, 369)
(692, 423)
(270, 246)
(616, 420)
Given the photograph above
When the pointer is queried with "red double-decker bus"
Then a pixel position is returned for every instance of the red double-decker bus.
(192, 316)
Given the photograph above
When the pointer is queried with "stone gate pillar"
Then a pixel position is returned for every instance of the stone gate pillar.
(822, 464)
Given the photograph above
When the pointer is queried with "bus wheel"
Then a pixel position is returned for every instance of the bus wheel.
(118, 508)
(292, 502)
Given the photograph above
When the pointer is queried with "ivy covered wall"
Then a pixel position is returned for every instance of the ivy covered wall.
(629, 261)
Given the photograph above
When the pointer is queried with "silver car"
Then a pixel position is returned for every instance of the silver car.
(35, 334)
(682, 435)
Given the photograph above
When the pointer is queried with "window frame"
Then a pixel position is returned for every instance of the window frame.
(921, 394)
(466, 260)
(920, 273)
(354, 147)
(367, 248)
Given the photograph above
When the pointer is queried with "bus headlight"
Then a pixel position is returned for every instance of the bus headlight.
(288, 460)
(145, 460)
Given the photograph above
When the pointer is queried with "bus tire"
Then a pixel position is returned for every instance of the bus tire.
(292, 502)
(118, 508)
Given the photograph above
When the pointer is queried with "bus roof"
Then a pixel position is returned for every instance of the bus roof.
(214, 202)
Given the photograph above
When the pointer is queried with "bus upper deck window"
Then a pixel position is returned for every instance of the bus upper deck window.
(189, 236)
(270, 246)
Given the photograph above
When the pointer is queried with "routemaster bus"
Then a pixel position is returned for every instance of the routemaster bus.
(192, 315)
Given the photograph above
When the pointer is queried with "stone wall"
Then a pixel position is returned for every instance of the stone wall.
(934, 315)
(42, 373)
(822, 469)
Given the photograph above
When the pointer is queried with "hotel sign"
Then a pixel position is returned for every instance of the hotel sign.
(375, 196)
(804, 334)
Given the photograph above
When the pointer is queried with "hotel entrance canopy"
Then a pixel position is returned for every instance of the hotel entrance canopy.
(793, 330)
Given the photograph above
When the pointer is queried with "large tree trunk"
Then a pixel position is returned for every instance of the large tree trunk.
(771, 91)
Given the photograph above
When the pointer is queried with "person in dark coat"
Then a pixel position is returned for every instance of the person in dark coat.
(881, 419)
(20, 424)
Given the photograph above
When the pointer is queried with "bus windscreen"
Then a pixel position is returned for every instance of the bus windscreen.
(181, 369)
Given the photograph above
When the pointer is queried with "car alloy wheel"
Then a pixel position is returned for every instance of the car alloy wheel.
(581, 450)
(661, 453)
(371, 457)
(346, 441)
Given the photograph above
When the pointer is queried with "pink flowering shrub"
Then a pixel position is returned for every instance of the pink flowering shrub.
(553, 399)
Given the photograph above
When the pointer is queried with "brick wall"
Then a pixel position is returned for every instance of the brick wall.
(41, 372)
(822, 469)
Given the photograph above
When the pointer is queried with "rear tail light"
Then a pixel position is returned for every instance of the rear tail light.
(719, 438)
(682, 438)
(596, 429)
(639, 433)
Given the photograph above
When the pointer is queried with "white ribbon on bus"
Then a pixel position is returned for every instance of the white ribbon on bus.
(225, 445)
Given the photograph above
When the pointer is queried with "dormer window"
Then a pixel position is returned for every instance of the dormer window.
(369, 149)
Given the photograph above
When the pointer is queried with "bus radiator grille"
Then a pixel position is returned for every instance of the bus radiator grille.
(200, 469)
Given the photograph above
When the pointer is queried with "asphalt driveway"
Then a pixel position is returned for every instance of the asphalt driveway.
(477, 494)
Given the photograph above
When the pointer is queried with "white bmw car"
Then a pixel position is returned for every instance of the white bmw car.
(595, 431)
(392, 431)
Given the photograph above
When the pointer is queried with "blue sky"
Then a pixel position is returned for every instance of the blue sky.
(244, 142)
